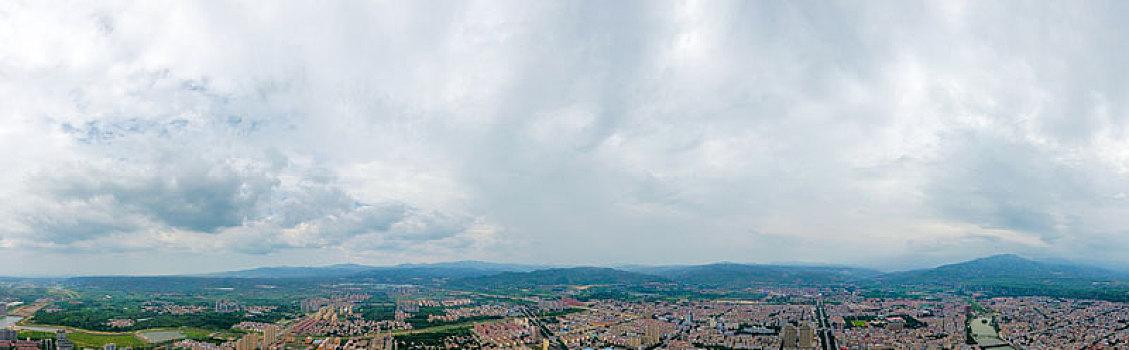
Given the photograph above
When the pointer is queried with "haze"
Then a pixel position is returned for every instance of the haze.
(183, 137)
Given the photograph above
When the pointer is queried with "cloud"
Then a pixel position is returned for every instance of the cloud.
(237, 205)
(188, 196)
(563, 132)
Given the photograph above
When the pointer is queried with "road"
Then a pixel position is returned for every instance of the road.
(823, 328)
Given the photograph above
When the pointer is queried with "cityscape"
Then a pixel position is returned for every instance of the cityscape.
(499, 306)
(564, 175)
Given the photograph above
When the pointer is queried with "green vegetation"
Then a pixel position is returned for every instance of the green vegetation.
(88, 340)
(559, 313)
(377, 312)
(24, 293)
(95, 317)
(419, 320)
(457, 335)
(97, 340)
(578, 276)
(867, 321)
(977, 308)
(97, 306)
(728, 275)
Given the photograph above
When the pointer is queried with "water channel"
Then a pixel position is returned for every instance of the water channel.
(8, 321)
(983, 333)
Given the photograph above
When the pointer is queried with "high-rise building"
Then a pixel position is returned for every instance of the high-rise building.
(248, 342)
(794, 338)
(805, 336)
(61, 342)
(224, 306)
(788, 339)
(110, 346)
(9, 334)
(378, 341)
(270, 335)
(652, 334)
(550, 305)
(3, 308)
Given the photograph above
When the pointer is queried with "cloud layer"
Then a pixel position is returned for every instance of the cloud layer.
(158, 137)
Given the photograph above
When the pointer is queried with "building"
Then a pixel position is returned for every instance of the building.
(9, 334)
(224, 306)
(550, 305)
(652, 334)
(797, 338)
(270, 335)
(61, 342)
(3, 308)
(788, 338)
(248, 342)
(110, 346)
(383, 341)
(408, 306)
(19, 345)
(805, 336)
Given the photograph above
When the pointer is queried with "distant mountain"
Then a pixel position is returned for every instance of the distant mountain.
(559, 276)
(478, 265)
(402, 272)
(1007, 269)
(420, 275)
(180, 284)
(743, 275)
(341, 270)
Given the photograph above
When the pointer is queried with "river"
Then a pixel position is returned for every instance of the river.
(9, 321)
(983, 333)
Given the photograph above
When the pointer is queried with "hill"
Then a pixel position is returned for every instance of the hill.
(743, 275)
(420, 275)
(388, 273)
(1012, 275)
(559, 276)
(342, 270)
(478, 265)
(1000, 268)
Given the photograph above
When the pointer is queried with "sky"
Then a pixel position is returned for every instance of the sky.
(156, 137)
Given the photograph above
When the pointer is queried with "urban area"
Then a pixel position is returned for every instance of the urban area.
(376, 316)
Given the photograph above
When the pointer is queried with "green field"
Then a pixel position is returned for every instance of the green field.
(977, 308)
(859, 323)
(86, 340)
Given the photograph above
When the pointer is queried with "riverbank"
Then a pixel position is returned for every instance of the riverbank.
(9, 321)
(984, 333)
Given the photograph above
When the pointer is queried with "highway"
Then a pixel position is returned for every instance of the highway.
(823, 328)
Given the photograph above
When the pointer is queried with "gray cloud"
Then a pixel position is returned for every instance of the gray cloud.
(214, 205)
(893, 134)
(193, 197)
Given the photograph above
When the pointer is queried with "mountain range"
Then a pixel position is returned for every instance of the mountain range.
(562, 276)
(1005, 269)
(996, 275)
(742, 275)
(445, 269)
(992, 270)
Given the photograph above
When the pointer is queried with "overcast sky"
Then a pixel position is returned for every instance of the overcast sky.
(156, 137)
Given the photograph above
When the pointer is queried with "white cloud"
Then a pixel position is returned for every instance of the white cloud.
(561, 132)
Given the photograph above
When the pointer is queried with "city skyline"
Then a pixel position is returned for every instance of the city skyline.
(193, 137)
